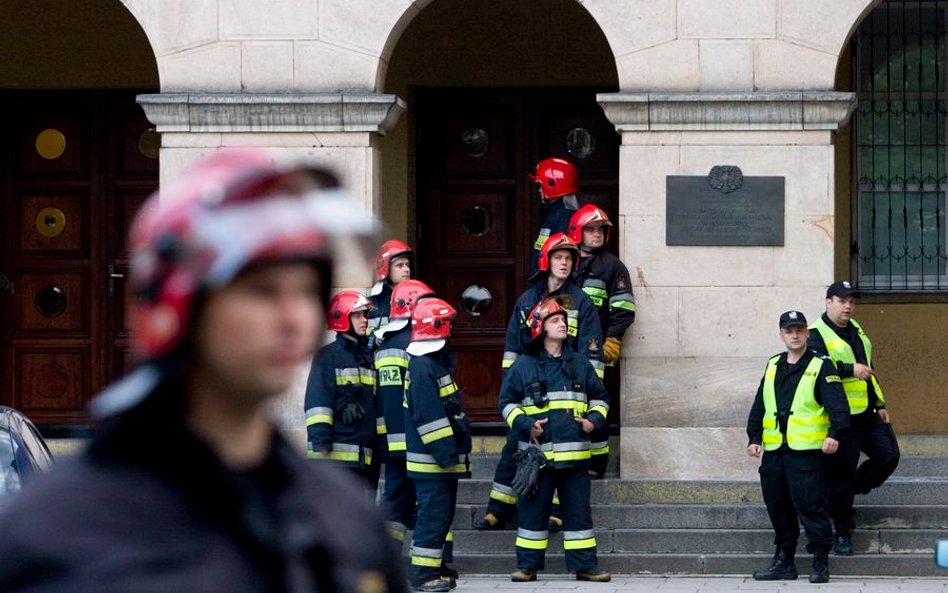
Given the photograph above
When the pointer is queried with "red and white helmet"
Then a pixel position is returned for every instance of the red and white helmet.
(342, 305)
(588, 215)
(405, 295)
(556, 177)
(556, 242)
(431, 320)
(540, 313)
(391, 249)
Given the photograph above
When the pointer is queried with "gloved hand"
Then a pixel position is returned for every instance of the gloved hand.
(529, 461)
(611, 350)
(352, 413)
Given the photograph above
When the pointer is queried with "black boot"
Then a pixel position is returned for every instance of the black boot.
(843, 544)
(821, 571)
(781, 569)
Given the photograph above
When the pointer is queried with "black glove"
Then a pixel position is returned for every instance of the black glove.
(529, 461)
(352, 412)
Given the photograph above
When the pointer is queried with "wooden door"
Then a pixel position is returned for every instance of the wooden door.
(478, 212)
(76, 166)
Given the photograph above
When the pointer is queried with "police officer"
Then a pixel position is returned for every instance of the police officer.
(393, 264)
(552, 397)
(557, 182)
(557, 262)
(341, 413)
(438, 436)
(605, 280)
(837, 335)
(797, 416)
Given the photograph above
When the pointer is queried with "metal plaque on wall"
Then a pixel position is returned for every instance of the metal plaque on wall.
(724, 208)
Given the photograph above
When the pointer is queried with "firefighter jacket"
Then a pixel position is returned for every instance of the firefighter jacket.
(391, 367)
(847, 346)
(605, 280)
(437, 432)
(798, 405)
(127, 515)
(342, 418)
(556, 215)
(585, 333)
(560, 389)
(381, 296)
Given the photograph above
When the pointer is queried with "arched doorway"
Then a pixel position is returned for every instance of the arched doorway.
(492, 88)
(78, 158)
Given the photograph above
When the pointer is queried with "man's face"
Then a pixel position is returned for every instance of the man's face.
(561, 264)
(594, 236)
(794, 337)
(840, 309)
(399, 269)
(359, 321)
(252, 334)
(555, 327)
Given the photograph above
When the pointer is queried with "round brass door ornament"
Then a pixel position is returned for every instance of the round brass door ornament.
(50, 144)
(50, 222)
(149, 143)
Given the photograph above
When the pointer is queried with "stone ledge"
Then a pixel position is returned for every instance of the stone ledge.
(244, 112)
(802, 110)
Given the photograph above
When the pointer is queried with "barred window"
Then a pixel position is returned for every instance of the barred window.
(900, 238)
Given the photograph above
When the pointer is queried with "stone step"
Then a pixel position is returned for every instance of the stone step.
(906, 565)
(914, 467)
(730, 516)
(702, 541)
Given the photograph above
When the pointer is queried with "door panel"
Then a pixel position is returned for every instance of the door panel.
(73, 176)
(478, 213)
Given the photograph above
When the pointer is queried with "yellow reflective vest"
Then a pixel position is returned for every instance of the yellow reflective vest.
(808, 423)
(857, 390)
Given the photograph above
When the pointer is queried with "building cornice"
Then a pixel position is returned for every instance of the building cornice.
(244, 112)
(798, 110)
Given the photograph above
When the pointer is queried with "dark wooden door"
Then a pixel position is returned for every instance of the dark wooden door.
(478, 212)
(76, 166)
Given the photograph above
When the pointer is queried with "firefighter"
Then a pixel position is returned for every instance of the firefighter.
(798, 415)
(341, 414)
(187, 483)
(393, 264)
(605, 280)
(557, 264)
(557, 182)
(552, 398)
(837, 335)
(438, 437)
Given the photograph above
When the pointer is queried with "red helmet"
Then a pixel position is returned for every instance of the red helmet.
(557, 177)
(404, 297)
(390, 250)
(341, 305)
(431, 320)
(557, 242)
(588, 215)
(539, 314)
(233, 209)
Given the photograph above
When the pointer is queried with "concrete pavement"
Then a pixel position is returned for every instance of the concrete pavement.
(639, 584)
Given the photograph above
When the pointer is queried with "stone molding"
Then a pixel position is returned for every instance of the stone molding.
(801, 110)
(298, 112)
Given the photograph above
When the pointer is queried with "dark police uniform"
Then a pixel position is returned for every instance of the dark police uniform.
(805, 405)
(556, 215)
(867, 432)
(559, 389)
(605, 280)
(342, 376)
(585, 337)
(438, 438)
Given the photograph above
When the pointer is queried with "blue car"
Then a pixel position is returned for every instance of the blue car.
(23, 452)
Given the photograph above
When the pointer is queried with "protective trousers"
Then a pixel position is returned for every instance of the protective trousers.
(503, 500)
(845, 477)
(436, 502)
(533, 515)
(792, 485)
(398, 499)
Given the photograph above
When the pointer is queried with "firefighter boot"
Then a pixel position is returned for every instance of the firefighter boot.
(489, 522)
(523, 575)
(843, 545)
(782, 568)
(820, 572)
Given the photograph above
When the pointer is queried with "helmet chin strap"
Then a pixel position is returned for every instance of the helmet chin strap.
(571, 202)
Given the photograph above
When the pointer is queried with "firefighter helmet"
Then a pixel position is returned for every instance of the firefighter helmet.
(431, 320)
(342, 305)
(556, 177)
(557, 242)
(588, 215)
(539, 314)
(405, 296)
(391, 249)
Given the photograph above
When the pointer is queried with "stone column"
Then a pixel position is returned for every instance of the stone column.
(707, 316)
(337, 131)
